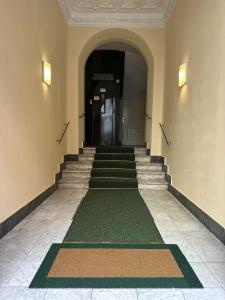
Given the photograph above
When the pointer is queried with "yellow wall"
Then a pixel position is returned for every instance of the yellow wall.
(31, 115)
(194, 115)
(81, 42)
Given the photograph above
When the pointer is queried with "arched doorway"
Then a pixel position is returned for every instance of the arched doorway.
(115, 96)
(97, 40)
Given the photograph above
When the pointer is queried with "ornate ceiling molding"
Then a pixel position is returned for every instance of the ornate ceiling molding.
(152, 13)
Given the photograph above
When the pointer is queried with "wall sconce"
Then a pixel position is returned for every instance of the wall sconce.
(46, 72)
(182, 75)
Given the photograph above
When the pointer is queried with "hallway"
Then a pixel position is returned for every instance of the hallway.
(103, 103)
(23, 249)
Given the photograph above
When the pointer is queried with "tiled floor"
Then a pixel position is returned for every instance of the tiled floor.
(23, 249)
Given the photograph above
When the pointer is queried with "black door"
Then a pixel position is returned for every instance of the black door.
(103, 91)
(102, 105)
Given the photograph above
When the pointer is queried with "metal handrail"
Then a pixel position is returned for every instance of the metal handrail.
(64, 131)
(147, 116)
(164, 134)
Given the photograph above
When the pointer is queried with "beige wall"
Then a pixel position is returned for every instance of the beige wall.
(32, 115)
(81, 42)
(195, 114)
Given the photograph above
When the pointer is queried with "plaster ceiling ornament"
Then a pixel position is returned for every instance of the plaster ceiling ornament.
(153, 13)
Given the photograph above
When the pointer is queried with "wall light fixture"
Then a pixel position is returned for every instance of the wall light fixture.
(46, 72)
(182, 77)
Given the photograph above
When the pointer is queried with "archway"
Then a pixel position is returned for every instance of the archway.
(115, 116)
(106, 36)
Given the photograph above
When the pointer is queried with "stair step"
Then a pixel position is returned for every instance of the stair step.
(71, 181)
(113, 182)
(153, 184)
(71, 178)
(85, 185)
(77, 165)
(92, 150)
(114, 172)
(127, 164)
(140, 166)
(141, 158)
(150, 175)
(148, 166)
(90, 157)
(117, 173)
(87, 174)
(86, 157)
(76, 174)
(114, 156)
(73, 185)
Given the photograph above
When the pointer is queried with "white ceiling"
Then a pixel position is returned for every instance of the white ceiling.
(152, 13)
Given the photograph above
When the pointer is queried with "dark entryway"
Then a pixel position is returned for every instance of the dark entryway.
(103, 90)
(115, 96)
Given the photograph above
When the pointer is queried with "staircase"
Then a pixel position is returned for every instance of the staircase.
(77, 173)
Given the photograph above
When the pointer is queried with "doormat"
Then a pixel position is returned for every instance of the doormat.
(115, 266)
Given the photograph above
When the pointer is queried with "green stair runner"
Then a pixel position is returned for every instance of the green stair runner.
(126, 164)
(110, 172)
(113, 209)
(113, 218)
(114, 156)
(113, 183)
(115, 149)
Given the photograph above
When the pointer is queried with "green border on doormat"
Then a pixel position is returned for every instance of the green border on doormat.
(189, 280)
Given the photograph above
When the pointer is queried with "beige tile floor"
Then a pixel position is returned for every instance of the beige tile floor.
(23, 249)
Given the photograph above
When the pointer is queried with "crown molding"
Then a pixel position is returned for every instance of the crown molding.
(151, 13)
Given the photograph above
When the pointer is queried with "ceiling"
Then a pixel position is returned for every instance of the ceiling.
(153, 13)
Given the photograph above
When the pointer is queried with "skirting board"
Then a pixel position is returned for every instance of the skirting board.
(148, 152)
(18, 216)
(59, 174)
(205, 219)
(157, 159)
(70, 157)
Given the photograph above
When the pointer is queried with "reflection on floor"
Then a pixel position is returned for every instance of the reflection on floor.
(23, 249)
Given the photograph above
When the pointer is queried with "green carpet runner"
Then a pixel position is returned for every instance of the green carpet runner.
(114, 170)
(115, 156)
(113, 230)
(116, 216)
(126, 164)
(113, 209)
(115, 149)
(117, 172)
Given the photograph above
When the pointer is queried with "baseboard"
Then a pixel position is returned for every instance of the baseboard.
(18, 216)
(59, 174)
(70, 157)
(157, 159)
(204, 218)
(168, 178)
